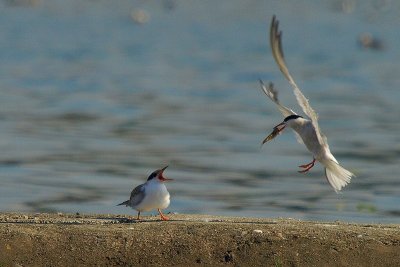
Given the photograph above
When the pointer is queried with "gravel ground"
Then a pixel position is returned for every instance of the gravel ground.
(111, 240)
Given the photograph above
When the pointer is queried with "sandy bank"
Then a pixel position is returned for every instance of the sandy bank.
(187, 240)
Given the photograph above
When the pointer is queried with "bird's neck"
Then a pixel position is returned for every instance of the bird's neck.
(155, 183)
(297, 124)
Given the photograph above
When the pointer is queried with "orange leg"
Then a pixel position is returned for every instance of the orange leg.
(163, 217)
(307, 167)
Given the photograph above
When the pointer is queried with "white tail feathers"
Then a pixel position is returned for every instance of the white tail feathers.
(336, 175)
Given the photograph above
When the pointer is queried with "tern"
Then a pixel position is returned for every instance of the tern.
(306, 129)
(151, 195)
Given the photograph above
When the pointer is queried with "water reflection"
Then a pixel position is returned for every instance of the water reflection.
(91, 103)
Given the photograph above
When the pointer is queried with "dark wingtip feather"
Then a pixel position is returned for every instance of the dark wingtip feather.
(124, 203)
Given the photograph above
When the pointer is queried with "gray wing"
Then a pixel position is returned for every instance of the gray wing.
(273, 95)
(137, 195)
(276, 46)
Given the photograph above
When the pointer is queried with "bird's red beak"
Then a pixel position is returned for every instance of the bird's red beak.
(277, 130)
(161, 176)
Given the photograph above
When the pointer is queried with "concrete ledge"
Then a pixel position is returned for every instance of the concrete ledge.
(187, 240)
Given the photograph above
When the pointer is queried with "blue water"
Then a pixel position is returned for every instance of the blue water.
(92, 101)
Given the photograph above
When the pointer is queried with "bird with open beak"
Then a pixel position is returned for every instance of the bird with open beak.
(153, 194)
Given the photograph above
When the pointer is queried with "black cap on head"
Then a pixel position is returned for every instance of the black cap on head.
(153, 175)
(292, 117)
(157, 173)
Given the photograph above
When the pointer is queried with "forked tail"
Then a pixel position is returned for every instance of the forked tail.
(336, 175)
(126, 203)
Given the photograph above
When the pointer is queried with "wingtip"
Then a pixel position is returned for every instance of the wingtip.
(123, 203)
(275, 24)
(262, 84)
(263, 87)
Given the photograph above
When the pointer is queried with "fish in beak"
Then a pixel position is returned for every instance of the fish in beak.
(277, 130)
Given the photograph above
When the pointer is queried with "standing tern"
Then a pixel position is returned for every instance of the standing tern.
(151, 195)
(306, 129)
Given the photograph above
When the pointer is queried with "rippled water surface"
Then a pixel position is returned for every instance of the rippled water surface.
(95, 95)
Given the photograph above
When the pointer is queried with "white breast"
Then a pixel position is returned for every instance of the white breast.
(156, 197)
(307, 133)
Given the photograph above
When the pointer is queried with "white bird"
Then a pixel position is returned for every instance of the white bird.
(151, 195)
(306, 129)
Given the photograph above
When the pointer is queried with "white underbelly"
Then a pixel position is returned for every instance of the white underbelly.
(156, 197)
(310, 140)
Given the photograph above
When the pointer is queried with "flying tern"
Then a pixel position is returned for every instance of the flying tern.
(151, 195)
(306, 129)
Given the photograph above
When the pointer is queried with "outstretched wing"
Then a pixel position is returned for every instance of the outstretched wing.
(137, 195)
(273, 95)
(276, 46)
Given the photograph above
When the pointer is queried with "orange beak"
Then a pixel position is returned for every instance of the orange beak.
(161, 176)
